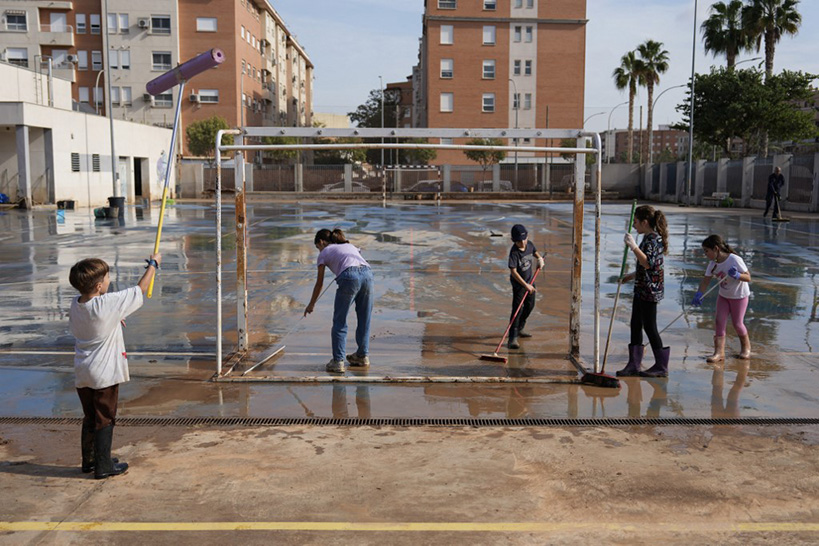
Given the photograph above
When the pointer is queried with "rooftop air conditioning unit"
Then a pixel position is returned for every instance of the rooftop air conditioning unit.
(144, 22)
(72, 58)
(194, 97)
(148, 98)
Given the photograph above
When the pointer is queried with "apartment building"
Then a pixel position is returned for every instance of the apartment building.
(501, 64)
(403, 92)
(266, 78)
(663, 138)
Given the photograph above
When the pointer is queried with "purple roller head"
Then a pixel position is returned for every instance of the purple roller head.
(185, 71)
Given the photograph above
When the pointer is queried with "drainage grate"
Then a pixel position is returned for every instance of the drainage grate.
(413, 421)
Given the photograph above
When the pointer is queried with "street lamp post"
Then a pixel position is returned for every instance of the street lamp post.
(651, 115)
(109, 107)
(747, 61)
(96, 87)
(591, 116)
(691, 112)
(608, 130)
(516, 106)
(381, 84)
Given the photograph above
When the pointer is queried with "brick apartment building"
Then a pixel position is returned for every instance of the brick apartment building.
(664, 138)
(404, 93)
(501, 64)
(266, 79)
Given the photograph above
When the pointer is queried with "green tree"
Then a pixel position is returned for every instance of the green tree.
(654, 61)
(731, 104)
(628, 76)
(770, 20)
(418, 156)
(281, 156)
(572, 143)
(486, 158)
(202, 137)
(369, 115)
(723, 33)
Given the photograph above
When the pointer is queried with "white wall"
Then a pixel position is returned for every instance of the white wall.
(85, 134)
(19, 84)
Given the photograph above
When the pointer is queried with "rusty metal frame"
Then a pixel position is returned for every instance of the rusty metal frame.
(311, 133)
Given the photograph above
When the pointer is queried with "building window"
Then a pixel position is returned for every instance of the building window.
(518, 3)
(208, 95)
(527, 101)
(490, 5)
(447, 68)
(206, 24)
(115, 95)
(516, 68)
(528, 35)
(447, 4)
(447, 34)
(124, 26)
(516, 34)
(112, 23)
(113, 58)
(82, 60)
(96, 60)
(530, 4)
(83, 93)
(161, 60)
(95, 162)
(488, 102)
(75, 160)
(17, 56)
(527, 68)
(16, 22)
(125, 59)
(515, 101)
(95, 23)
(97, 95)
(489, 35)
(160, 24)
(489, 70)
(164, 100)
(447, 102)
(242, 32)
(80, 23)
(126, 96)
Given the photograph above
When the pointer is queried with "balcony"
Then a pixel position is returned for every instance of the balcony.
(57, 35)
(65, 71)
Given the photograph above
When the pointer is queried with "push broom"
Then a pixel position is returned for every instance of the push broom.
(778, 217)
(495, 357)
(601, 379)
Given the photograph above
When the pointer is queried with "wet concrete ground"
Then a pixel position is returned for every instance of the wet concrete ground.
(442, 299)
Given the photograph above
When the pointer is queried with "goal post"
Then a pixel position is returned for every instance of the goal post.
(309, 134)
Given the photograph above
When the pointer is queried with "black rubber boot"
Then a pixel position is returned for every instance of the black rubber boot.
(635, 360)
(87, 446)
(660, 367)
(104, 464)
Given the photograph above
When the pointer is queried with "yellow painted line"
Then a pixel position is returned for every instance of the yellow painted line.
(511, 527)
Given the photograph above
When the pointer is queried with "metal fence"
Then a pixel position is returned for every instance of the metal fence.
(709, 184)
(734, 178)
(800, 183)
(763, 167)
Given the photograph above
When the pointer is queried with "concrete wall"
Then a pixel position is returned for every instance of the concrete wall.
(85, 134)
(19, 84)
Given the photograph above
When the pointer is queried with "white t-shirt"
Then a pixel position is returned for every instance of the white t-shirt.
(99, 359)
(340, 257)
(729, 287)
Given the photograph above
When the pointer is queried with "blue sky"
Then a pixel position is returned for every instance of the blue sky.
(353, 42)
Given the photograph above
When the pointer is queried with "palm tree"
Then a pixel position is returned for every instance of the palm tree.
(770, 20)
(723, 32)
(654, 61)
(629, 75)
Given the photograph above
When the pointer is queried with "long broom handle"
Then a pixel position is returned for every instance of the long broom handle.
(681, 314)
(619, 285)
(520, 305)
(167, 180)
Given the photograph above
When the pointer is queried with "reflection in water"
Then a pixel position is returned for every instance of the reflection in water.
(729, 407)
(362, 401)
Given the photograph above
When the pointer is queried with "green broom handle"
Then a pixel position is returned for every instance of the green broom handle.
(628, 230)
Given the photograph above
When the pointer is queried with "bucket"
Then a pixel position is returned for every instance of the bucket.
(111, 212)
(119, 204)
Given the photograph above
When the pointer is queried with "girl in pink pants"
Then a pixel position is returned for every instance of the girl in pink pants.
(734, 293)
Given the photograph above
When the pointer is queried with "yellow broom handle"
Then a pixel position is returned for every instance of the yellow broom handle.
(158, 236)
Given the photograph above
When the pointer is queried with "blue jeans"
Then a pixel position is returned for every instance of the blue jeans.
(355, 284)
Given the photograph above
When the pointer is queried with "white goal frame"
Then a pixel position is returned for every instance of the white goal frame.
(238, 147)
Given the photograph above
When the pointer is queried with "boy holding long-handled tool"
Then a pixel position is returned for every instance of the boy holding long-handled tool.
(522, 258)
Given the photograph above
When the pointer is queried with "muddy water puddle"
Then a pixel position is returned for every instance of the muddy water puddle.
(442, 300)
